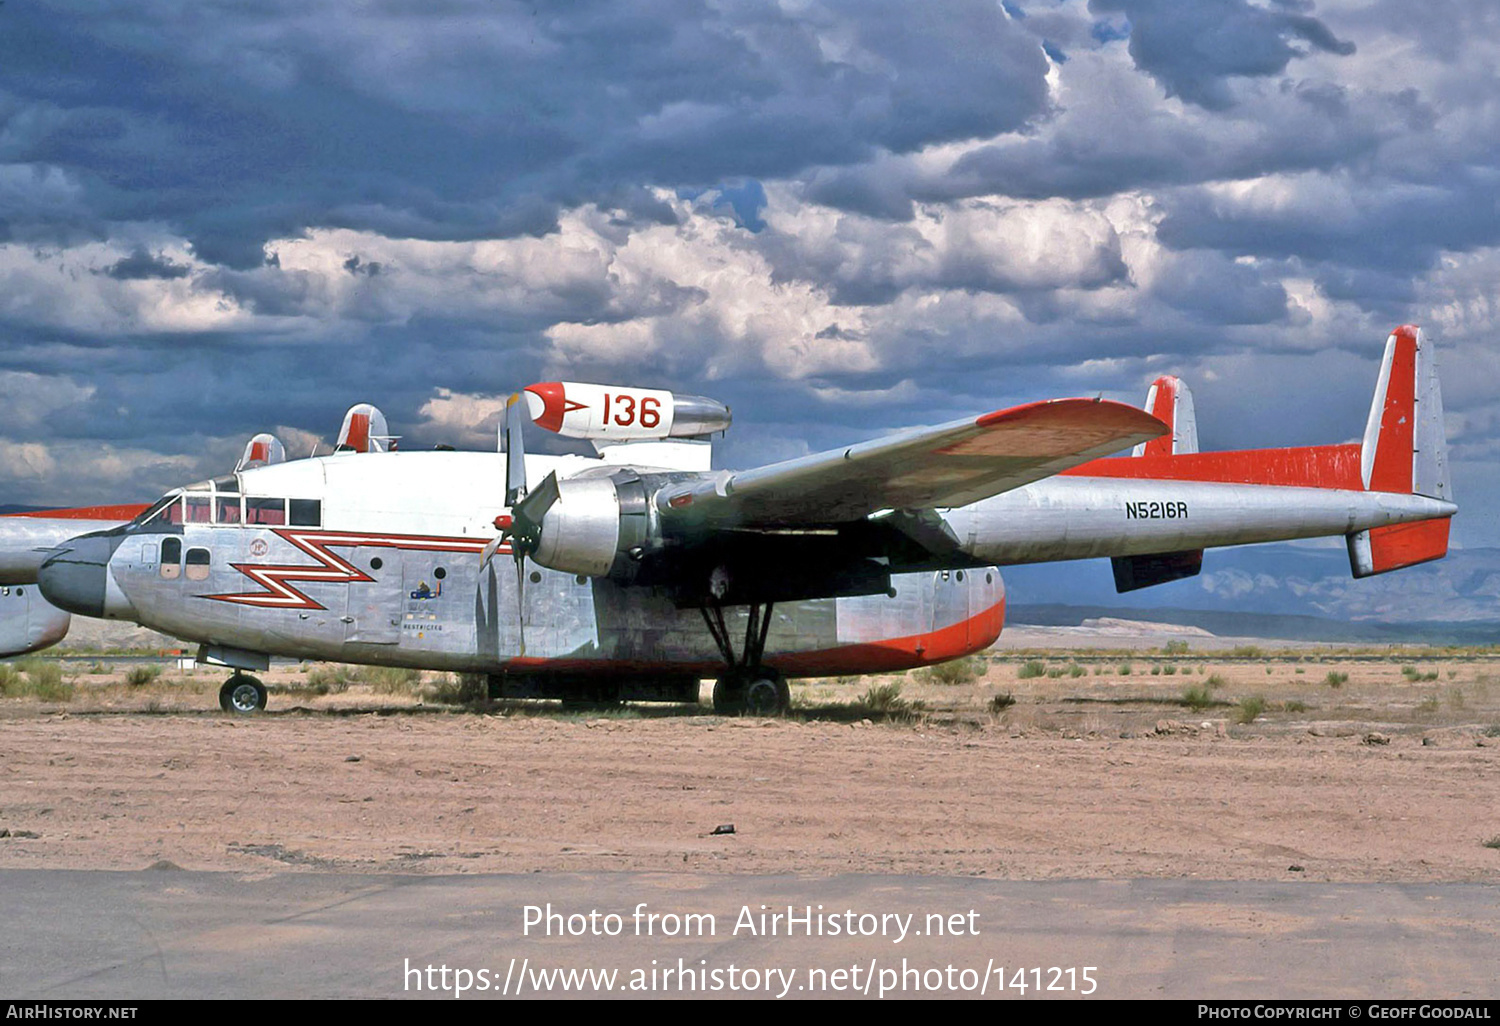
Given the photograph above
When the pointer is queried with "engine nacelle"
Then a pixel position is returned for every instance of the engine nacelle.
(593, 524)
(612, 413)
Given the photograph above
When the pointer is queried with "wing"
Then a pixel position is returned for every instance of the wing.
(949, 465)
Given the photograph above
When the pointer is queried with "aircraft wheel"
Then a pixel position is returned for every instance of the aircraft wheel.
(242, 694)
(729, 696)
(768, 696)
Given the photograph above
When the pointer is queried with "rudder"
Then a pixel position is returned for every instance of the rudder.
(1404, 451)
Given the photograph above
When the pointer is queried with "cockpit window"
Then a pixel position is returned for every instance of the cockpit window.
(155, 509)
(198, 509)
(271, 512)
(226, 509)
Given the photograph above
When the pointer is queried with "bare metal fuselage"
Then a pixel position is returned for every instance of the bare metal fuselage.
(392, 573)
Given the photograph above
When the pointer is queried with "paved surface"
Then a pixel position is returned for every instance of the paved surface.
(172, 933)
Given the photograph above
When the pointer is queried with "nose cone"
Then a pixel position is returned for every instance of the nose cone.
(76, 576)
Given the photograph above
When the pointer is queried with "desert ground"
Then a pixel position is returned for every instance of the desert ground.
(1113, 757)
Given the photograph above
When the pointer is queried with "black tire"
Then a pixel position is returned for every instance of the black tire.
(768, 695)
(242, 694)
(729, 696)
(765, 694)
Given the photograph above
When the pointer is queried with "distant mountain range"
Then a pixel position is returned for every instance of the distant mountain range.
(1292, 591)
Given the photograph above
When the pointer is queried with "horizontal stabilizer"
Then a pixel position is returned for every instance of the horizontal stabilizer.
(1136, 572)
(1382, 549)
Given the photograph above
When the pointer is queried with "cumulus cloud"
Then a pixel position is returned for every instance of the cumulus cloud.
(841, 218)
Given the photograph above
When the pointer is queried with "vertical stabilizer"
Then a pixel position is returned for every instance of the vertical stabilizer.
(1404, 451)
(1404, 447)
(1170, 401)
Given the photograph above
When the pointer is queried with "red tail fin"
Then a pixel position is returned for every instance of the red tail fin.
(1404, 451)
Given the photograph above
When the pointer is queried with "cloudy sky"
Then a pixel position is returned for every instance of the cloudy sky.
(840, 217)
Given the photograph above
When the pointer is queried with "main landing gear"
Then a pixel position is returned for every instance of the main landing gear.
(242, 694)
(746, 686)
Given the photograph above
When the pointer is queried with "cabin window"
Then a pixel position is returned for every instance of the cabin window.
(171, 558)
(197, 564)
(305, 512)
(198, 509)
(269, 512)
(227, 509)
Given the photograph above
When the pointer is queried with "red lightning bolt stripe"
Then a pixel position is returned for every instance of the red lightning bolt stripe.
(330, 567)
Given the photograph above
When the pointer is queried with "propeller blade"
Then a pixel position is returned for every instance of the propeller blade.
(490, 550)
(521, 596)
(529, 510)
(517, 412)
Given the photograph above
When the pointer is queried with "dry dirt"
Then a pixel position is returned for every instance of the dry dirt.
(1092, 772)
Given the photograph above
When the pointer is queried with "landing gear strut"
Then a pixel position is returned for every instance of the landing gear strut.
(242, 694)
(746, 686)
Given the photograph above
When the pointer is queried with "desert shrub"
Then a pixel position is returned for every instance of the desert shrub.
(1249, 709)
(393, 680)
(1156, 670)
(1197, 696)
(1428, 705)
(1415, 676)
(1032, 668)
(1175, 647)
(1294, 706)
(44, 680)
(458, 689)
(1336, 679)
(142, 674)
(98, 669)
(1124, 669)
(884, 698)
(1169, 670)
(1493, 842)
(1076, 671)
(331, 680)
(1246, 652)
(1000, 703)
(11, 684)
(1055, 673)
(955, 671)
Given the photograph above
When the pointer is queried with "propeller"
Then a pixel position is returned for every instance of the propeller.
(523, 527)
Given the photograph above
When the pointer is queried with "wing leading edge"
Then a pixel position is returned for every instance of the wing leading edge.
(951, 464)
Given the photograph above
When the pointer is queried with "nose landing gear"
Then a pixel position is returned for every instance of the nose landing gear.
(242, 694)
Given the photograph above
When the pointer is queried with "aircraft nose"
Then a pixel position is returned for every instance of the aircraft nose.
(75, 576)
